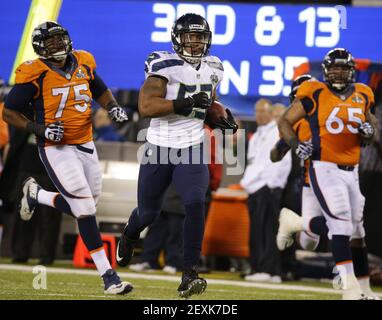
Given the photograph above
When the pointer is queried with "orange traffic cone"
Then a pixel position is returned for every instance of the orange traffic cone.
(82, 257)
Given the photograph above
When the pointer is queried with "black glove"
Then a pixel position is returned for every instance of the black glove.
(224, 123)
(185, 107)
(53, 131)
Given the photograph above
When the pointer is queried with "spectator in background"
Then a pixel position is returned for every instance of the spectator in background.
(278, 110)
(264, 181)
(103, 127)
(4, 139)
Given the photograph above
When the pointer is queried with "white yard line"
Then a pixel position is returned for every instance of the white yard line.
(130, 275)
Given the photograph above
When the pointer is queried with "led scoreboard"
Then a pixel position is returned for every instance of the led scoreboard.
(258, 44)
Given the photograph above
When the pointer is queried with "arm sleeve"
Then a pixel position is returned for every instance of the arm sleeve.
(20, 96)
(97, 86)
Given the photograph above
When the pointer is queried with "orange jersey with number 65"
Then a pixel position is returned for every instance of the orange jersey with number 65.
(62, 96)
(334, 120)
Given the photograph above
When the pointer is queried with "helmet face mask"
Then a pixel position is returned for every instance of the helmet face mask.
(191, 37)
(51, 41)
(339, 69)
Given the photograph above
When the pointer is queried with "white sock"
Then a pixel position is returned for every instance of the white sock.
(349, 280)
(364, 283)
(100, 260)
(46, 197)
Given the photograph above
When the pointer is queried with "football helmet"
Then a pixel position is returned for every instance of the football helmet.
(338, 68)
(296, 84)
(51, 41)
(191, 37)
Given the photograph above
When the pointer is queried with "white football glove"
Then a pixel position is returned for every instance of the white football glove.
(366, 130)
(304, 150)
(117, 114)
(54, 131)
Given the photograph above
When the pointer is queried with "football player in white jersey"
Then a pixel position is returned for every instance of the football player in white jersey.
(178, 89)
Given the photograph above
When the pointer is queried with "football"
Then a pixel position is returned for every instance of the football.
(215, 111)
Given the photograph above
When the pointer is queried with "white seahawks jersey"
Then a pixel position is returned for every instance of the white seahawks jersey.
(184, 80)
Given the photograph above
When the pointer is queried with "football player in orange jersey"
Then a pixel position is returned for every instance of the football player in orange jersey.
(338, 111)
(60, 86)
(290, 222)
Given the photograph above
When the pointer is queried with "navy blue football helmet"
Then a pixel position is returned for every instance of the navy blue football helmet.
(338, 69)
(191, 37)
(51, 41)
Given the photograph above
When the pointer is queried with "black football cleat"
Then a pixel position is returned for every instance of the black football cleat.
(191, 284)
(125, 249)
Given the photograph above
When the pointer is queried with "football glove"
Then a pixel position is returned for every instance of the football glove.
(225, 123)
(366, 130)
(53, 131)
(117, 114)
(304, 150)
(186, 106)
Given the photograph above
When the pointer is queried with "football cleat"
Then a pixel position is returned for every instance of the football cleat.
(366, 290)
(125, 249)
(114, 285)
(289, 224)
(29, 201)
(191, 284)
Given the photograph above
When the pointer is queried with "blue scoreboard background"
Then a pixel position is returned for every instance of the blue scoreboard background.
(258, 44)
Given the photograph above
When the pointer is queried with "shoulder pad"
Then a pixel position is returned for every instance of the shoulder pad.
(29, 71)
(214, 62)
(307, 88)
(366, 91)
(161, 61)
(85, 57)
(363, 88)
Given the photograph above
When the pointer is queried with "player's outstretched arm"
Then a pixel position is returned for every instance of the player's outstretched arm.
(107, 101)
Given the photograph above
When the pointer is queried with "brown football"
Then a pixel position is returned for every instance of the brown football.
(215, 111)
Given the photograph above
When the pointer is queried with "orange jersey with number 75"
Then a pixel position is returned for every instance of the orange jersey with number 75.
(334, 120)
(62, 96)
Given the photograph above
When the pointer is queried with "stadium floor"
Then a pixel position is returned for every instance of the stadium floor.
(67, 283)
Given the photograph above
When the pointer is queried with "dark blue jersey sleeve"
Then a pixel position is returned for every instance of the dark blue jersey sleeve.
(20, 96)
(97, 86)
(282, 146)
